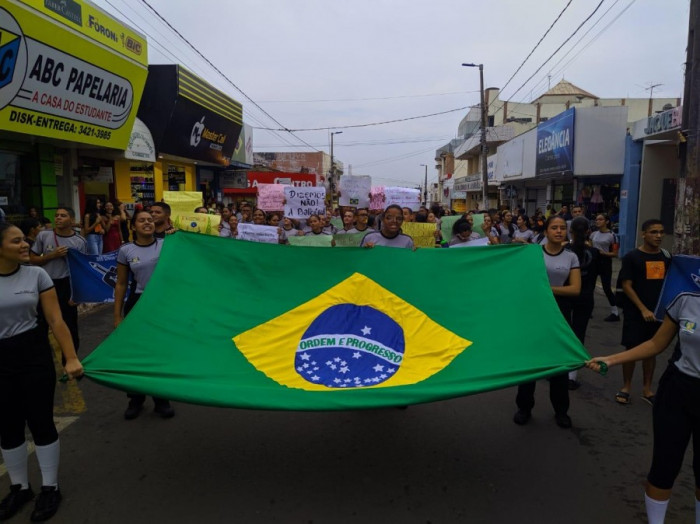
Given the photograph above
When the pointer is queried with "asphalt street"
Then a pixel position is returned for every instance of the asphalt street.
(461, 460)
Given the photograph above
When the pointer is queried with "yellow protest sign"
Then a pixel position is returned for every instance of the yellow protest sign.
(69, 71)
(197, 223)
(422, 233)
(182, 202)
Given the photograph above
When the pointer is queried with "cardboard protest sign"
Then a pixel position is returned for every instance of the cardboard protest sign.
(302, 202)
(312, 240)
(349, 240)
(478, 221)
(258, 233)
(377, 198)
(403, 197)
(197, 223)
(422, 233)
(271, 197)
(355, 190)
(182, 202)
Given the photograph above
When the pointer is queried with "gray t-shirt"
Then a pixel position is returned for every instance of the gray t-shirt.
(225, 230)
(379, 239)
(46, 242)
(528, 235)
(19, 297)
(684, 310)
(141, 260)
(559, 266)
(603, 241)
(354, 230)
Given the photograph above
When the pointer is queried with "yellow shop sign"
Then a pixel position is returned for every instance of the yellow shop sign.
(69, 71)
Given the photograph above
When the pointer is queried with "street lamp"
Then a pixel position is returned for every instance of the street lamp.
(425, 186)
(484, 163)
(332, 177)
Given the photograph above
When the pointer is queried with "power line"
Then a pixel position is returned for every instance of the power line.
(366, 125)
(558, 48)
(389, 142)
(363, 99)
(282, 127)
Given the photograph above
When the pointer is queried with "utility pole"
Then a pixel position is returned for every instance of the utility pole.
(687, 219)
(425, 186)
(484, 161)
(332, 177)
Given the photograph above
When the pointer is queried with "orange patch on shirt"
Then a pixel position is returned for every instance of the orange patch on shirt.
(656, 270)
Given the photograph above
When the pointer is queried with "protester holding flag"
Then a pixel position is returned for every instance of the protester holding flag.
(315, 225)
(233, 225)
(138, 258)
(565, 280)
(160, 211)
(606, 242)
(488, 229)
(390, 234)
(28, 376)
(676, 414)
(50, 250)
(290, 229)
(361, 221)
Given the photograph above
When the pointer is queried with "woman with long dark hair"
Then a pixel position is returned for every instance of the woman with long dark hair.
(113, 232)
(28, 375)
(93, 226)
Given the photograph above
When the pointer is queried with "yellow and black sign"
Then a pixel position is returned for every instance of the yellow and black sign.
(69, 71)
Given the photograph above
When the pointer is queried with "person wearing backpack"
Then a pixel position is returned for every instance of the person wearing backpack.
(642, 277)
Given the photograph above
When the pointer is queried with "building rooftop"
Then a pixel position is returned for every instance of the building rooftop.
(566, 89)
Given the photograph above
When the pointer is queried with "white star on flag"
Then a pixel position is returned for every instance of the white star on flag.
(315, 377)
(378, 368)
(366, 330)
(344, 369)
(356, 354)
(305, 356)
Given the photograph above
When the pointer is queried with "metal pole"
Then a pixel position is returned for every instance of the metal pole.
(425, 187)
(484, 163)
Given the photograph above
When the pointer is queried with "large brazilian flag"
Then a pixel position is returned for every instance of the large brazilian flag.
(242, 324)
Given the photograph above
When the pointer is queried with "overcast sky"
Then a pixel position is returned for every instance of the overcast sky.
(334, 63)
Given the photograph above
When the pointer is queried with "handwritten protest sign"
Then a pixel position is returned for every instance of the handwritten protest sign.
(258, 233)
(355, 190)
(377, 198)
(473, 243)
(182, 202)
(197, 223)
(402, 196)
(349, 240)
(271, 197)
(312, 240)
(446, 224)
(422, 233)
(302, 202)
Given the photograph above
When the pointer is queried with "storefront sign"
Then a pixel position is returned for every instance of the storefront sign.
(659, 123)
(555, 145)
(59, 83)
(243, 153)
(265, 177)
(188, 117)
(141, 146)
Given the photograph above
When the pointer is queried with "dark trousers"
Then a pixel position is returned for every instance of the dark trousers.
(27, 384)
(558, 384)
(605, 272)
(68, 312)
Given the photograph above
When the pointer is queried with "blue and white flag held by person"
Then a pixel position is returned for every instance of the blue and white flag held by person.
(92, 277)
(683, 275)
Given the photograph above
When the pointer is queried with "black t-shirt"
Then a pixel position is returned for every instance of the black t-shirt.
(589, 272)
(647, 272)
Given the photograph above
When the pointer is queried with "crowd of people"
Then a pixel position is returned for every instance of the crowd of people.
(576, 253)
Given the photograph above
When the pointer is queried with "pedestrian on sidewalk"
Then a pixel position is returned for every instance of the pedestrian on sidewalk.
(608, 245)
(28, 375)
(642, 278)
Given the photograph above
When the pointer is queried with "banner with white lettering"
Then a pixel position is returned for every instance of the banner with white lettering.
(555, 145)
(354, 190)
(258, 233)
(271, 197)
(402, 196)
(302, 202)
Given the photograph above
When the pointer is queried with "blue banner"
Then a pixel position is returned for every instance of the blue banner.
(92, 277)
(683, 275)
(555, 145)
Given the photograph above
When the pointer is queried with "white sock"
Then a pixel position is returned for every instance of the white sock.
(48, 457)
(615, 311)
(16, 464)
(656, 509)
(573, 374)
(697, 511)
